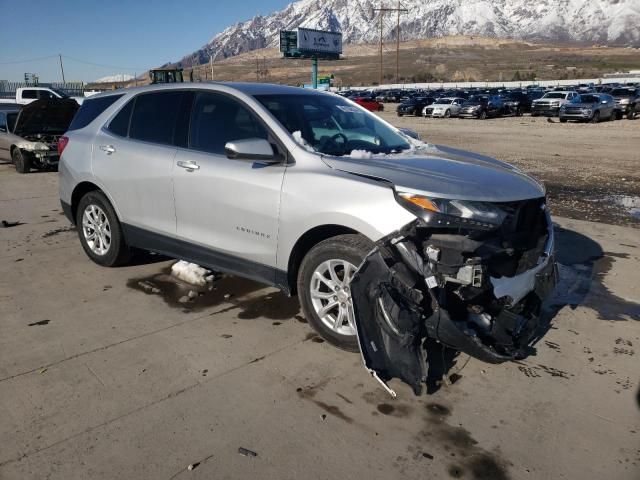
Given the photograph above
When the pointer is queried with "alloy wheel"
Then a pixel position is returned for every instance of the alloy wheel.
(331, 295)
(96, 229)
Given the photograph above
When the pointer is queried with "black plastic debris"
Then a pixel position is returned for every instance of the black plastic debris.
(8, 224)
(246, 452)
(39, 323)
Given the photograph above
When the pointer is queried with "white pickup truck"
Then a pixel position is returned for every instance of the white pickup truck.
(26, 95)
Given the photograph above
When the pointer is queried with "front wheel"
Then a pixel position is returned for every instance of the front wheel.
(324, 287)
(100, 231)
(632, 113)
(21, 160)
(596, 117)
(447, 114)
(483, 115)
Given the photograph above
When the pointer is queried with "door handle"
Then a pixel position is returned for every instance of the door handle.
(108, 149)
(188, 164)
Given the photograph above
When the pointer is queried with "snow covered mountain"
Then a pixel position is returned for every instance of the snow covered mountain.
(593, 21)
(120, 77)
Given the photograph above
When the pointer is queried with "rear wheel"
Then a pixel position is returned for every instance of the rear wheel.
(100, 231)
(324, 287)
(21, 160)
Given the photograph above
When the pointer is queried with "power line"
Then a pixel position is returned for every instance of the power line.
(103, 65)
(29, 60)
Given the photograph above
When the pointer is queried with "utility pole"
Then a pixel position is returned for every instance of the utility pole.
(61, 67)
(382, 11)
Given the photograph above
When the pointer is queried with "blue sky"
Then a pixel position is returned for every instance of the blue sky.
(127, 37)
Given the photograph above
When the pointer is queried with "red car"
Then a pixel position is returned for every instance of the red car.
(369, 103)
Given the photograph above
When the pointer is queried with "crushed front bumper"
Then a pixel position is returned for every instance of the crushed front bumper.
(413, 287)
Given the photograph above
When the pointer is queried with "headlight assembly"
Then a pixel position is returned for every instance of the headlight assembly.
(453, 213)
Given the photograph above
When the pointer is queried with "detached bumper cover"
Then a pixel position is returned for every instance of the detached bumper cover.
(403, 295)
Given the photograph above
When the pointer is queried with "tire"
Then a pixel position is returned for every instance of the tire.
(447, 114)
(349, 248)
(632, 113)
(117, 252)
(563, 120)
(399, 114)
(483, 115)
(534, 114)
(596, 117)
(618, 115)
(21, 161)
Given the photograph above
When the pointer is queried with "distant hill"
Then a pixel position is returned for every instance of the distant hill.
(606, 22)
(120, 77)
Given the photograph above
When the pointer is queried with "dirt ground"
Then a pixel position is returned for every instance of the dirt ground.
(104, 375)
(591, 171)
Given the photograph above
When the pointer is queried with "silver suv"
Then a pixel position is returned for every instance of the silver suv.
(295, 188)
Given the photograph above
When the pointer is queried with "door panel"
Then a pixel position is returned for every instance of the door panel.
(231, 206)
(137, 176)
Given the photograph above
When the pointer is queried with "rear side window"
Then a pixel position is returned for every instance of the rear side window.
(120, 123)
(90, 109)
(156, 115)
(217, 119)
(29, 94)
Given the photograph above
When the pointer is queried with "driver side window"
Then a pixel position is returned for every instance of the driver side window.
(217, 119)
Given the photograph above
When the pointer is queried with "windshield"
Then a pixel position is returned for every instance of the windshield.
(621, 92)
(589, 99)
(555, 95)
(476, 101)
(444, 101)
(60, 93)
(332, 125)
(11, 120)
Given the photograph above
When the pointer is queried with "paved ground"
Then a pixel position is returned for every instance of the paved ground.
(590, 170)
(102, 378)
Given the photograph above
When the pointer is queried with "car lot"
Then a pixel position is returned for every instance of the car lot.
(105, 374)
(590, 170)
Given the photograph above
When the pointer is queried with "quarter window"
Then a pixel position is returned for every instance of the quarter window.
(90, 110)
(29, 94)
(217, 119)
(120, 123)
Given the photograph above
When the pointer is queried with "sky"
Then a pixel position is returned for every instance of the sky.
(119, 36)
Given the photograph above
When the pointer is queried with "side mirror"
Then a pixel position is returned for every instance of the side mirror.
(251, 149)
(410, 133)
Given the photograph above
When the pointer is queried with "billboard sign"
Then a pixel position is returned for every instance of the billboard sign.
(319, 41)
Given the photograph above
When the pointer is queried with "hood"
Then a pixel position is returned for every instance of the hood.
(51, 116)
(445, 172)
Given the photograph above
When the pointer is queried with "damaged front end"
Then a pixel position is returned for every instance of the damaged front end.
(474, 282)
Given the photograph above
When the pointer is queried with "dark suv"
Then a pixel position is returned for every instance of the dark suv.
(627, 101)
(482, 106)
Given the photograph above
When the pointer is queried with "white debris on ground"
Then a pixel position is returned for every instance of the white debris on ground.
(191, 273)
(629, 203)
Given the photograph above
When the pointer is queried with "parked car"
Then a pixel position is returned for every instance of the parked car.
(413, 106)
(294, 189)
(590, 107)
(549, 105)
(481, 106)
(444, 107)
(26, 95)
(627, 101)
(29, 135)
(516, 103)
(370, 103)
